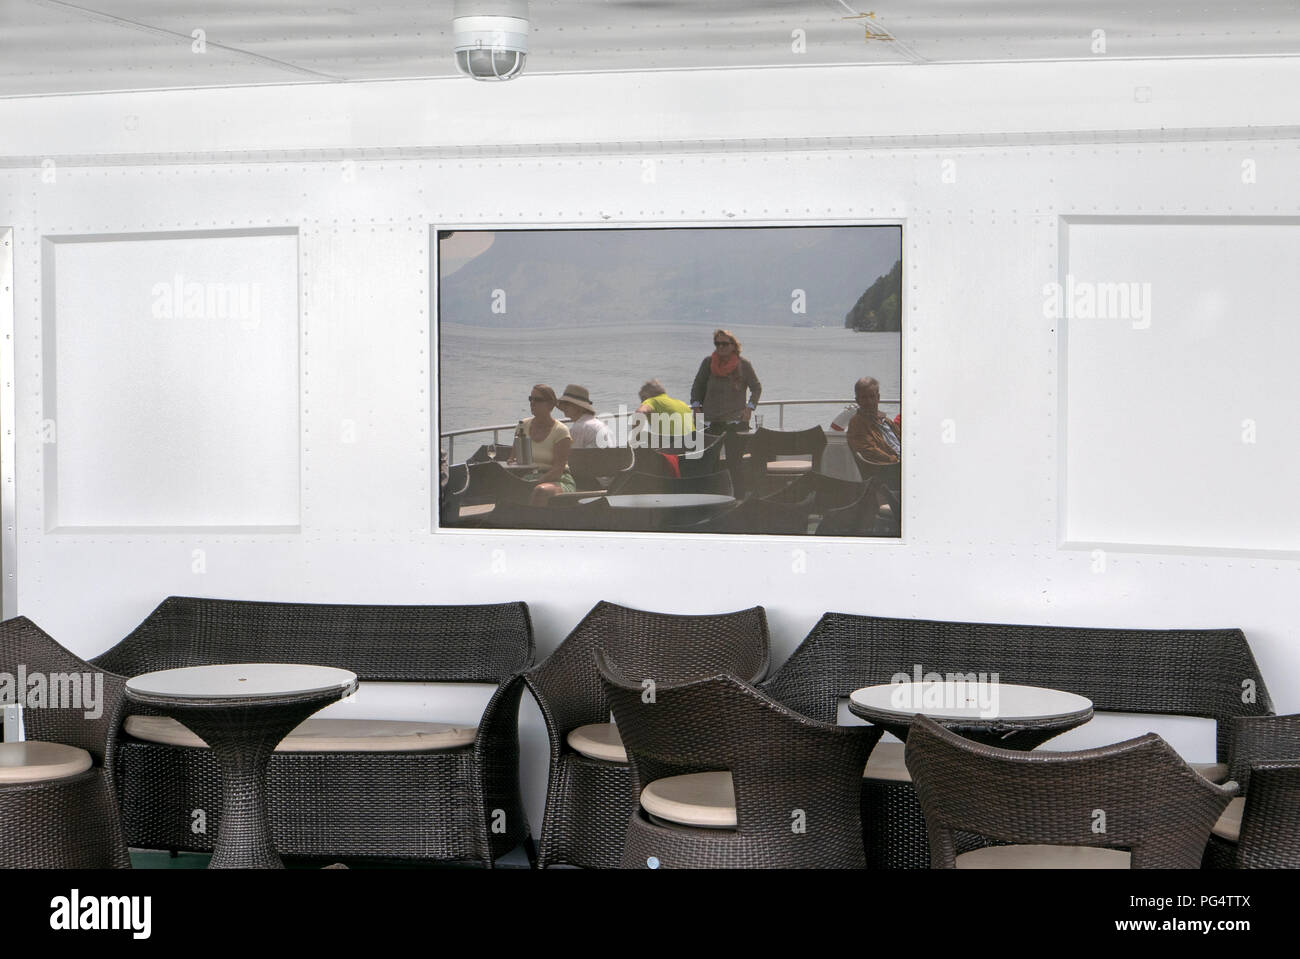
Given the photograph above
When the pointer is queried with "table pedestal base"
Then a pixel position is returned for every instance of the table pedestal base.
(242, 738)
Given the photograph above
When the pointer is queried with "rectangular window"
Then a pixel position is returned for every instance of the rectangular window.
(728, 380)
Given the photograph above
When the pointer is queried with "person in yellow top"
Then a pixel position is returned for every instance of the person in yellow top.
(551, 445)
(664, 415)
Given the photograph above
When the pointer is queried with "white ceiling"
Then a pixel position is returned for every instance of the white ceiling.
(53, 46)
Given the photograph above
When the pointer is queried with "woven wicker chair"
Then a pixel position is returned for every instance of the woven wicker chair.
(592, 469)
(70, 822)
(703, 461)
(1261, 830)
(829, 492)
(1187, 672)
(588, 801)
(1137, 796)
(889, 473)
(767, 445)
(458, 804)
(794, 781)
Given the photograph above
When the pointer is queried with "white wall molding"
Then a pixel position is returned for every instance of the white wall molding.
(1100, 97)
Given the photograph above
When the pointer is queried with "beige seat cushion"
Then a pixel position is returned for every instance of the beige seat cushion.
(1229, 825)
(1214, 772)
(1044, 857)
(326, 735)
(695, 799)
(31, 762)
(598, 741)
(790, 466)
(886, 762)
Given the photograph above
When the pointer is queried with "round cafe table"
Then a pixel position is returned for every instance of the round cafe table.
(242, 711)
(996, 714)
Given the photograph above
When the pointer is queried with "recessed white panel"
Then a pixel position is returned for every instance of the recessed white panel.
(1183, 403)
(173, 395)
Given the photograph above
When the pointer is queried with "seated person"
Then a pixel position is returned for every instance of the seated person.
(551, 444)
(664, 415)
(871, 435)
(588, 432)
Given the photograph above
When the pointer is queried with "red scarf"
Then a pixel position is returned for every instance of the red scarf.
(720, 367)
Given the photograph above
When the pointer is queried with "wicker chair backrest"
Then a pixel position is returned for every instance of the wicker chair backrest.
(767, 444)
(779, 761)
(1257, 739)
(481, 644)
(662, 647)
(1190, 672)
(1136, 795)
(59, 689)
(1270, 828)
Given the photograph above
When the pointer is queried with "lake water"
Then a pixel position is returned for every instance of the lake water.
(487, 374)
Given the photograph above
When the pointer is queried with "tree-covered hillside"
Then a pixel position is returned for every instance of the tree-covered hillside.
(880, 308)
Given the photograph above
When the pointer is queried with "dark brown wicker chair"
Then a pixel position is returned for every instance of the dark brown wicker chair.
(1270, 821)
(1137, 796)
(766, 446)
(863, 517)
(1262, 829)
(588, 801)
(493, 483)
(451, 496)
(461, 804)
(70, 822)
(1186, 672)
(795, 781)
(889, 473)
(829, 493)
(592, 469)
(703, 461)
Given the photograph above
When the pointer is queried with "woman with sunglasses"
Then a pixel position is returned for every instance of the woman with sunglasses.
(718, 393)
(551, 444)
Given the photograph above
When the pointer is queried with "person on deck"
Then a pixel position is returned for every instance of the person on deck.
(718, 393)
(588, 432)
(551, 443)
(871, 434)
(664, 415)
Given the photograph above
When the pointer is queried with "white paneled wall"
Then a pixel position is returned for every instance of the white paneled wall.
(986, 396)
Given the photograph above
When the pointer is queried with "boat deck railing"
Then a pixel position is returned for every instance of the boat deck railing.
(450, 436)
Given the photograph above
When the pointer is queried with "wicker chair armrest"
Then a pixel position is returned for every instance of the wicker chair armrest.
(723, 722)
(500, 719)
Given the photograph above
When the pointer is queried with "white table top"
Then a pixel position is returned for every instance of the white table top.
(975, 701)
(238, 680)
(665, 500)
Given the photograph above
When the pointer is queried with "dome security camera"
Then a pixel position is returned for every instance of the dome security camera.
(491, 38)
